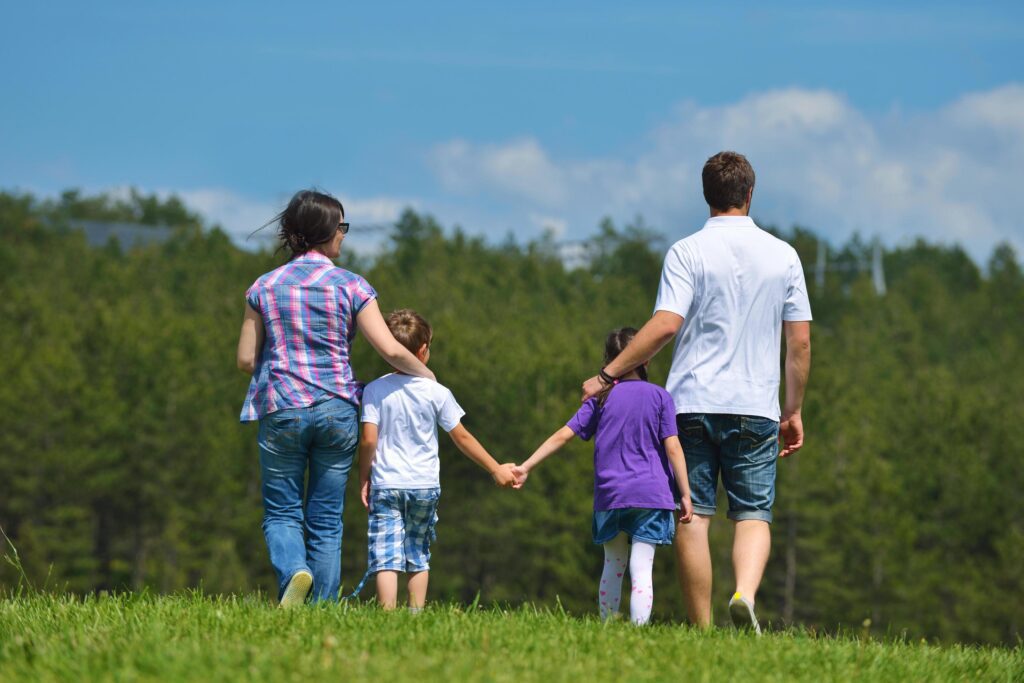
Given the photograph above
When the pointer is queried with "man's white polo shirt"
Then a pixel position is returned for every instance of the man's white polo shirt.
(734, 284)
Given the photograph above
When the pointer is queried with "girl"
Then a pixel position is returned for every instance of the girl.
(633, 424)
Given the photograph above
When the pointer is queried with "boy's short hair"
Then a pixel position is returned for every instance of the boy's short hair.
(409, 328)
(728, 178)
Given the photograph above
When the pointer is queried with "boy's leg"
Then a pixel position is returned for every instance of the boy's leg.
(420, 520)
(616, 554)
(387, 589)
(418, 589)
(693, 555)
(385, 540)
(641, 566)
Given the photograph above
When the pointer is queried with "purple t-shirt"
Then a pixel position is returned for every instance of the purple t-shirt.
(630, 466)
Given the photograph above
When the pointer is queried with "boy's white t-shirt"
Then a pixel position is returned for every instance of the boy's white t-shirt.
(407, 410)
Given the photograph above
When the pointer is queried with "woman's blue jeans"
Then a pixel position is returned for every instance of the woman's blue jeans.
(302, 522)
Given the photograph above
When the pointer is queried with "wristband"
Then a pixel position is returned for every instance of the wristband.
(606, 378)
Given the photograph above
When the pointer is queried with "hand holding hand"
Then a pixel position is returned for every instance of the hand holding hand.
(521, 474)
(591, 388)
(364, 493)
(505, 476)
(791, 434)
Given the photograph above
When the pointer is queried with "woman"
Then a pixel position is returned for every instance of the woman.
(299, 323)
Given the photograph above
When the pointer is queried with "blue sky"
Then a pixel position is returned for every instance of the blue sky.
(892, 119)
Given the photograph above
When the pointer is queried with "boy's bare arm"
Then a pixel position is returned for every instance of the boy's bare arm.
(367, 451)
(473, 450)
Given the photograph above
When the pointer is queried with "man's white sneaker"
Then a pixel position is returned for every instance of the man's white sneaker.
(742, 612)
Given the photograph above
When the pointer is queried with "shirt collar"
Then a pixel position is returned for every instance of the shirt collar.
(730, 222)
(312, 255)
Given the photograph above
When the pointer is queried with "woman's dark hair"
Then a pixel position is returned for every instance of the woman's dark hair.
(310, 219)
(616, 341)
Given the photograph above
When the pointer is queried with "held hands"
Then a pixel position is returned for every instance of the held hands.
(364, 493)
(505, 476)
(791, 434)
(521, 474)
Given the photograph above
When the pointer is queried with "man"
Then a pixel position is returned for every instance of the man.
(728, 290)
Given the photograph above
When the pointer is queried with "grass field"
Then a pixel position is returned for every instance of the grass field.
(191, 637)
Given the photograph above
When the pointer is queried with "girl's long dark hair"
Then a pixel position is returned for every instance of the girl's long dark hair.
(310, 219)
(616, 341)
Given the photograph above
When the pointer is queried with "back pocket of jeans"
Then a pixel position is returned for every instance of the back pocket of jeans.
(758, 437)
(691, 431)
(282, 430)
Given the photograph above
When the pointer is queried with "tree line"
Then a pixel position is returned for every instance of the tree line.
(124, 466)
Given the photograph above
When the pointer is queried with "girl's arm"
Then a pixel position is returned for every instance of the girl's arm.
(552, 444)
(367, 451)
(473, 450)
(674, 451)
(371, 323)
(250, 341)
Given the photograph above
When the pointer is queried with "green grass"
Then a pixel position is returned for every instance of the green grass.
(192, 637)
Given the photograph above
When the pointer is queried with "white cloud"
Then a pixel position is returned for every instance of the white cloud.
(946, 174)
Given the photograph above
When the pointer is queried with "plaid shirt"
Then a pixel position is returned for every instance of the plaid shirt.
(309, 309)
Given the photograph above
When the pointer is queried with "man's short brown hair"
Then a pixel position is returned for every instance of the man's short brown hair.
(728, 178)
(410, 329)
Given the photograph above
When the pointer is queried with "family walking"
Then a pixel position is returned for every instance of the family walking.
(728, 294)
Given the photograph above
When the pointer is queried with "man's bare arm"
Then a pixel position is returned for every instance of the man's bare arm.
(651, 338)
(798, 369)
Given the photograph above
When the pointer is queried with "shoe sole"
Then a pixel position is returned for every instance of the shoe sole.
(743, 617)
(297, 590)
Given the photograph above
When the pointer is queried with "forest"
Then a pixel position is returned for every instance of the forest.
(124, 467)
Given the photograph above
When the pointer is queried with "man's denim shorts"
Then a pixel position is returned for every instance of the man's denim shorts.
(402, 525)
(656, 527)
(743, 449)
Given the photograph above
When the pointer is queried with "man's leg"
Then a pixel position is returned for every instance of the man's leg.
(749, 455)
(750, 549)
(693, 557)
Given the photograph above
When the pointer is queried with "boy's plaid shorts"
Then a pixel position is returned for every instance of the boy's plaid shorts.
(401, 529)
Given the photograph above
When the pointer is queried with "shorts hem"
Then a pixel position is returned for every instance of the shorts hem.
(744, 515)
(652, 541)
(704, 510)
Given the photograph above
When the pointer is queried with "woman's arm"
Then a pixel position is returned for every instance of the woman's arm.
(371, 323)
(552, 444)
(250, 341)
(674, 451)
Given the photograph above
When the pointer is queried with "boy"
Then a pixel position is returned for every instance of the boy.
(399, 465)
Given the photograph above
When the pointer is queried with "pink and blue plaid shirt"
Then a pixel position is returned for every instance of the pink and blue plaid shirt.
(309, 308)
